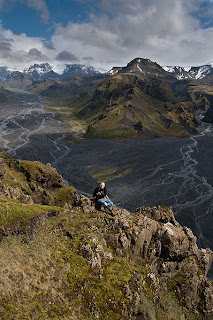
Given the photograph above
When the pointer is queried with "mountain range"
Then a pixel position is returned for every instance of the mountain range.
(197, 73)
(180, 73)
(141, 100)
(45, 70)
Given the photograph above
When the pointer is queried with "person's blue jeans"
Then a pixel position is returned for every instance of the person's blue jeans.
(105, 201)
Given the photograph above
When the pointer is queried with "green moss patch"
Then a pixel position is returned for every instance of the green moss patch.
(13, 213)
(63, 195)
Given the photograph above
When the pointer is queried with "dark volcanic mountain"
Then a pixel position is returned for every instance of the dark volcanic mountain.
(141, 100)
(18, 80)
(144, 67)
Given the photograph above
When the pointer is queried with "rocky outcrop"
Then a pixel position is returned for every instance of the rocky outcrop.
(33, 182)
(174, 264)
(30, 192)
(76, 262)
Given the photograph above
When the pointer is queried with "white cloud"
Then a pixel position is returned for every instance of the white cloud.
(18, 51)
(165, 31)
(66, 56)
(168, 32)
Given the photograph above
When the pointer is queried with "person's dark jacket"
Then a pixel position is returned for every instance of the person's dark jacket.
(99, 196)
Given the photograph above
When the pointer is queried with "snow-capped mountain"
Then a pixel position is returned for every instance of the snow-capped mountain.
(197, 73)
(44, 71)
(78, 69)
(147, 67)
(41, 71)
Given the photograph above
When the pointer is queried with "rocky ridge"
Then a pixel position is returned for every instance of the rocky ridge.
(38, 72)
(198, 73)
(80, 263)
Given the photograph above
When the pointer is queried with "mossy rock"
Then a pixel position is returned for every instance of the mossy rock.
(63, 195)
(17, 217)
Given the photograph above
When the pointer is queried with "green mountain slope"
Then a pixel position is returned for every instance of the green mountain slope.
(72, 92)
(130, 105)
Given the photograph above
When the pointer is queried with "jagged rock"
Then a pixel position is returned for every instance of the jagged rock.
(86, 204)
(134, 266)
(33, 182)
(16, 193)
(159, 213)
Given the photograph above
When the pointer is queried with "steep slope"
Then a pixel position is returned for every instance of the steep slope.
(17, 80)
(130, 105)
(66, 88)
(31, 182)
(67, 95)
(78, 263)
(202, 97)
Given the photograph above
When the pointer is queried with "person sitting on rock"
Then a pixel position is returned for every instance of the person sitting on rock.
(101, 197)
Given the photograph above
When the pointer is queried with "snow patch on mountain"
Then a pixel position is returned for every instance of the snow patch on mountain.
(39, 68)
(169, 69)
(113, 71)
(78, 69)
(182, 73)
(139, 68)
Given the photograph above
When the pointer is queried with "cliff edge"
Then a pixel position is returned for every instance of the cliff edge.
(60, 258)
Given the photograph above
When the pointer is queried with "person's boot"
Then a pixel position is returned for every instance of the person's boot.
(109, 209)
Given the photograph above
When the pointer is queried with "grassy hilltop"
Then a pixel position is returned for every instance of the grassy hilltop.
(60, 258)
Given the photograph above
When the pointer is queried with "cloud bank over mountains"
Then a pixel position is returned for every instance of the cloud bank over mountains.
(169, 32)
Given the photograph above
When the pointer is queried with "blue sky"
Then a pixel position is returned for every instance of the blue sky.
(105, 33)
(22, 19)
